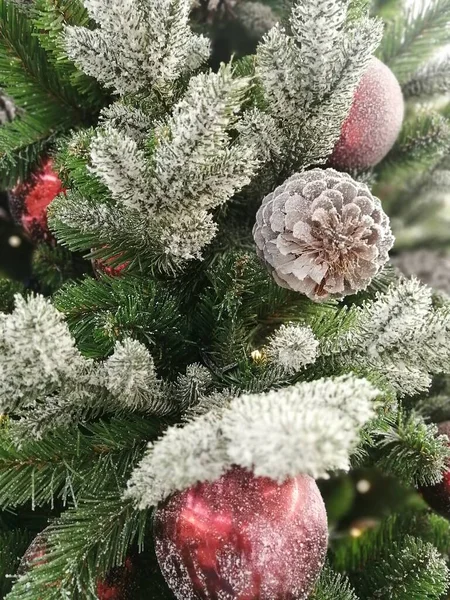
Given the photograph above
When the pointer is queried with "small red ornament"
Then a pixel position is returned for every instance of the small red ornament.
(438, 496)
(119, 584)
(374, 121)
(243, 537)
(34, 554)
(29, 201)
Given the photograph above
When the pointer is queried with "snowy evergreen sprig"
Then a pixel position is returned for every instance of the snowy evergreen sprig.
(119, 162)
(308, 428)
(430, 79)
(37, 353)
(130, 377)
(400, 334)
(47, 383)
(293, 347)
(309, 73)
(195, 166)
(138, 45)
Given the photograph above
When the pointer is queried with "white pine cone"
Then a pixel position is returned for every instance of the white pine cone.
(323, 234)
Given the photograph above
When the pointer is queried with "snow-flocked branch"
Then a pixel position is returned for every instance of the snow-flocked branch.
(308, 428)
(138, 45)
(47, 383)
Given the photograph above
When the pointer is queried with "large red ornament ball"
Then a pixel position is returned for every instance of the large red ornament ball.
(374, 122)
(29, 201)
(243, 537)
(438, 496)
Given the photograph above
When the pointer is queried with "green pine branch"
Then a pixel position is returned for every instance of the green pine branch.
(101, 312)
(71, 463)
(332, 586)
(82, 546)
(48, 103)
(13, 544)
(398, 559)
(49, 19)
(409, 449)
(414, 36)
(8, 289)
(423, 141)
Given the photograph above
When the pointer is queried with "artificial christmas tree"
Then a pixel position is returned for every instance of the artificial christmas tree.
(234, 364)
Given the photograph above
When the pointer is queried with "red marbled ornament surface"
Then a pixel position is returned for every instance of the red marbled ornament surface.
(29, 201)
(374, 122)
(243, 538)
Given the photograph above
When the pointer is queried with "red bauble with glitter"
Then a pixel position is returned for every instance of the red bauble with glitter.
(34, 554)
(119, 583)
(243, 537)
(438, 496)
(374, 122)
(29, 201)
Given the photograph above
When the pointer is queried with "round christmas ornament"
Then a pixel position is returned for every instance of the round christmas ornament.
(119, 583)
(243, 537)
(29, 201)
(35, 554)
(374, 121)
(323, 234)
(438, 496)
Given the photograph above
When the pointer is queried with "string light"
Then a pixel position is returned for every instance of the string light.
(14, 241)
(363, 486)
(257, 356)
(356, 532)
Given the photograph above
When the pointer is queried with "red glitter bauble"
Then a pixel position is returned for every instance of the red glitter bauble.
(119, 584)
(103, 265)
(35, 553)
(29, 201)
(374, 122)
(243, 537)
(438, 496)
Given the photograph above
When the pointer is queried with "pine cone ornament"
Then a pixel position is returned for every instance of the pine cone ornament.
(323, 234)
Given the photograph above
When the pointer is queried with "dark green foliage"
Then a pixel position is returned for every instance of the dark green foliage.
(409, 568)
(100, 312)
(13, 544)
(230, 319)
(53, 266)
(76, 543)
(354, 554)
(73, 463)
(8, 289)
(397, 559)
(407, 447)
(50, 99)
